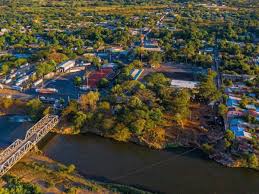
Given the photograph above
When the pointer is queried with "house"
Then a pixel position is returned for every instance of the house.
(152, 45)
(235, 113)
(250, 107)
(242, 77)
(237, 130)
(237, 127)
(252, 113)
(109, 65)
(235, 122)
(116, 49)
(233, 101)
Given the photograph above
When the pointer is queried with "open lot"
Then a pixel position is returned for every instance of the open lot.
(175, 71)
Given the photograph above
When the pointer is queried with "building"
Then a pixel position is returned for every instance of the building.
(65, 66)
(242, 77)
(233, 101)
(117, 49)
(183, 84)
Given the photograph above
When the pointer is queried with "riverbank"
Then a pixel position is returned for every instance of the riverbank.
(53, 177)
(182, 141)
(160, 136)
(11, 106)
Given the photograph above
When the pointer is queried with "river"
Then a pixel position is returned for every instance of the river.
(12, 127)
(172, 171)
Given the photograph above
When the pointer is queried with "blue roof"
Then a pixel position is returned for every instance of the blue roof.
(238, 131)
(235, 122)
(252, 95)
(232, 102)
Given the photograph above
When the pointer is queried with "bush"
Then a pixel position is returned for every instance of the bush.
(207, 148)
(252, 161)
(71, 168)
(15, 186)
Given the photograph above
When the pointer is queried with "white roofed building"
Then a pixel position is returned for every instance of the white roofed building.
(183, 84)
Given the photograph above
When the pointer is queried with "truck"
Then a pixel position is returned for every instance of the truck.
(46, 90)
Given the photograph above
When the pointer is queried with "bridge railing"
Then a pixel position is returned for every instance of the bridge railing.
(11, 161)
(43, 131)
(10, 149)
(37, 126)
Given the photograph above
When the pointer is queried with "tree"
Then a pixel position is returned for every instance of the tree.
(71, 168)
(77, 81)
(252, 161)
(140, 51)
(138, 126)
(156, 79)
(137, 64)
(34, 108)
(207, 89)
(207, 148)
(5, 69)
(222, 109)
(44, 68)
(155, 60)
(180, 106)
(13, 185)
(108, 123)
(6, 103)
(134, 102)
(244, 102)
(79, 119)
(156, 114)
(104, 106)
(70, 110)
(103, 83)
(229, 135)
(89, 101)
(227, 143)
(98, 44)
(56, 57)
(121, 132)
(189, 51)
(96, 62)
(155, 136)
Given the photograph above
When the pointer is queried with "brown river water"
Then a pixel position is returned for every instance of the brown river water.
(176, 171)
